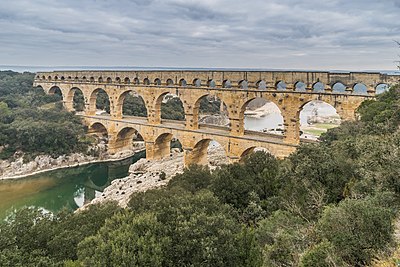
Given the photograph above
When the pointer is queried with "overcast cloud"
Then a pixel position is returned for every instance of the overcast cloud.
(285, 34)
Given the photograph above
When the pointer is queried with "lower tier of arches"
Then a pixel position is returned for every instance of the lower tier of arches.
(195, 144)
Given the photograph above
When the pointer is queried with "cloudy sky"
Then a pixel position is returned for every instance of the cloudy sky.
(271, 34)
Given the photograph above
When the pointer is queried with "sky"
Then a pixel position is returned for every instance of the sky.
(266, 34)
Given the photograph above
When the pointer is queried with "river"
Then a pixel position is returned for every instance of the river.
(275, 120)
(67, 188)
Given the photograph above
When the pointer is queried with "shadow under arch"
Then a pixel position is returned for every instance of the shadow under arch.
(316, 117)
(280, 86)
(130, 103)
(300, 86)
(260, 114)
(208, 152)
(165, 143)
(261, 85)
(318, 87)
(128, 138)
(55, 90)
(98, 129)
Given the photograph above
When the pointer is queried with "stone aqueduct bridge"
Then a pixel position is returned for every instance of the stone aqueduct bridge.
(235, 88)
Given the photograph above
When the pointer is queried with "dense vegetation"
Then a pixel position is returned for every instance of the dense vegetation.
(134, 106)
(328, 204)
(33, 122)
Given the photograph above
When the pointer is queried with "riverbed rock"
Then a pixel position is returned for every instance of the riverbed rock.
(43, 161)
(216, 119)
(145, 175)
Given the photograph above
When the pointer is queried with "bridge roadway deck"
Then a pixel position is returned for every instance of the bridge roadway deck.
(206, 129)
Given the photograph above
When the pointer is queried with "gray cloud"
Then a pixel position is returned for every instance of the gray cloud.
(289, 34)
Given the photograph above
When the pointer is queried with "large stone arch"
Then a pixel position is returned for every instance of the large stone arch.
(123, 140)
(195, 108)
(251, 149)
(98, 129)
(198, 154)
(161, 146)
(213, 111)
(92, 100)
(276, 150)
(323, 104)
(69, 102)
(40, 87)
(158, 101)
(120, 102)
(55, 90)
(267, 98)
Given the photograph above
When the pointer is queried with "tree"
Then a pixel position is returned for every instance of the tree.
(103, 101)
(201, 230)
(316, 175)
(193, 179)
(173, 109)
(321, 255)
(365, 228)
(79, 101)
(126, 239)
(33, 237)
(134, 106)
(283, 237)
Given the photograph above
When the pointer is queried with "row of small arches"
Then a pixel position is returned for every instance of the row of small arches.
(319, 87)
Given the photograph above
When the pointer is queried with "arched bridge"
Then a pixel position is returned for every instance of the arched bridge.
(289, 90)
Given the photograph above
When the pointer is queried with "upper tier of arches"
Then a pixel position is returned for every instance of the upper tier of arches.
(327, 84)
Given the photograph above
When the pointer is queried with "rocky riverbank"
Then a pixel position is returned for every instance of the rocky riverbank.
(266, 109)
(145, 175)
(13, 169)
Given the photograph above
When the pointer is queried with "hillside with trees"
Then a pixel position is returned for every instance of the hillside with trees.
(334, 203)
(29, 128)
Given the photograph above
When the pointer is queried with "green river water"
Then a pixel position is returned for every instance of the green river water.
(66, 188)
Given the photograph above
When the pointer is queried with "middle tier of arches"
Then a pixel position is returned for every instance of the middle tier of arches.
(235, 103)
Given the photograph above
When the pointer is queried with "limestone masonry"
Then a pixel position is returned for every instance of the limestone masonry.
(235, 88)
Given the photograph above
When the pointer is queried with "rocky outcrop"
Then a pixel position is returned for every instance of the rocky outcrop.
(145, 175)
